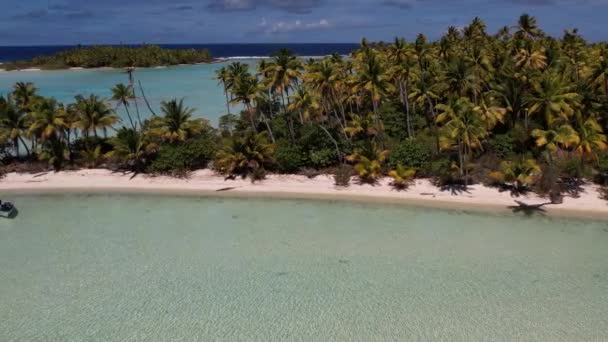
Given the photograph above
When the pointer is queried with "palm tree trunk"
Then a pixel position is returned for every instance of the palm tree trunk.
(267, 123)
(338, 153)
(129, 115)
(16, 146)
(250, 114)
(435, 128)
(227, 100)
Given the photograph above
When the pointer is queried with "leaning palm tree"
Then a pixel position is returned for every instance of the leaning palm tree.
(122, 94)
(223, 76)
(245, 92)
(177, 124)
(14, 124)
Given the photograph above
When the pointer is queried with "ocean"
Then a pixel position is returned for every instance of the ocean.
(13, 53)
(165, 268)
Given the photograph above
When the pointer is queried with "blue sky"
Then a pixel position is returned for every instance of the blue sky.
(53, 22)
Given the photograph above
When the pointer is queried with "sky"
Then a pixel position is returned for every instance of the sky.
(58, 22)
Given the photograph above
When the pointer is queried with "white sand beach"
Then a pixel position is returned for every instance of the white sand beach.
(421, 192)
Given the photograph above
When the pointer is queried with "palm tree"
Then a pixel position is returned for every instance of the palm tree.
(177, 124)
(14, 123)
(93, 114)
(402, 176)
(600, 70)
(223, 75)
(305, 103)
(323, 78)
(245, 92)
(520, 172)
(403, 59)
(122, 94)
(527, 28)
(245, 155)
(462, 124)
(553, 99)
(24, 94)
(368, 162)
(130, 148)
(552, 139)
(591, 139)
(48, 120)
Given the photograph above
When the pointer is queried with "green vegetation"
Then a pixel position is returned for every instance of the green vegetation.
(515, 109)
(115, 57)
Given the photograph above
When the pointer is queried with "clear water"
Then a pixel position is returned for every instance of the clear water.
(162, 268)
(194, 83)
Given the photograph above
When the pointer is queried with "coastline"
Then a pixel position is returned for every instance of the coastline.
(205, 182)
(215, 61)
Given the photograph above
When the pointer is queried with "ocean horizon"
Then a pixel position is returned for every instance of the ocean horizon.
(241, 50)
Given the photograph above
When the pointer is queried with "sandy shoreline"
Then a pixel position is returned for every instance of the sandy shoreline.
(206, 182)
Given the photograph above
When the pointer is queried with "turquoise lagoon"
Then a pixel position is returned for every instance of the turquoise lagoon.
(169, 268)
(194, 83)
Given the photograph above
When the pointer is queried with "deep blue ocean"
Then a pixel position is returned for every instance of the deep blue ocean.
(13, 53)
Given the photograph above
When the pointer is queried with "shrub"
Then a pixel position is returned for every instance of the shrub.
(402, 176)
(343, 175)
(503, 145)
(289, 158)
(179, 158)
(410, 152)
(322, 158)
(368, 164)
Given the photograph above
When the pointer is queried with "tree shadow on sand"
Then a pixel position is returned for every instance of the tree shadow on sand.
(529, 209)
(455, 189)
(515, 191)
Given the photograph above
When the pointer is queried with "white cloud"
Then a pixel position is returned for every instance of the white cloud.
(282, 27)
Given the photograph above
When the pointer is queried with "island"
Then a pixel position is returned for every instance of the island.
(114, 57)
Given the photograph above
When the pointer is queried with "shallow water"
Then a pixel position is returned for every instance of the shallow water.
(164, 268)
(194, 83)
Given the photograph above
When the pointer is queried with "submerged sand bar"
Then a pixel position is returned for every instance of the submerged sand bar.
(206, 182)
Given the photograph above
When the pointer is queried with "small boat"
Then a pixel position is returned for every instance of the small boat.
(7, 210)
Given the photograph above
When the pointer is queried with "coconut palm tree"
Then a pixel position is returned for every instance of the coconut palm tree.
(527, 28)
(24, 94)
(552, 139)
(93, 114)
(305, 103)
(48, 120)
(177, 124)
(402, 176)
(223, 76)
(591, 139)
(600, 70)
(520, 173)
(14, 124)
(462, 124)
(131, 149)
(552, 98)
(245, 92)
(122, 94)
(246, 156)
